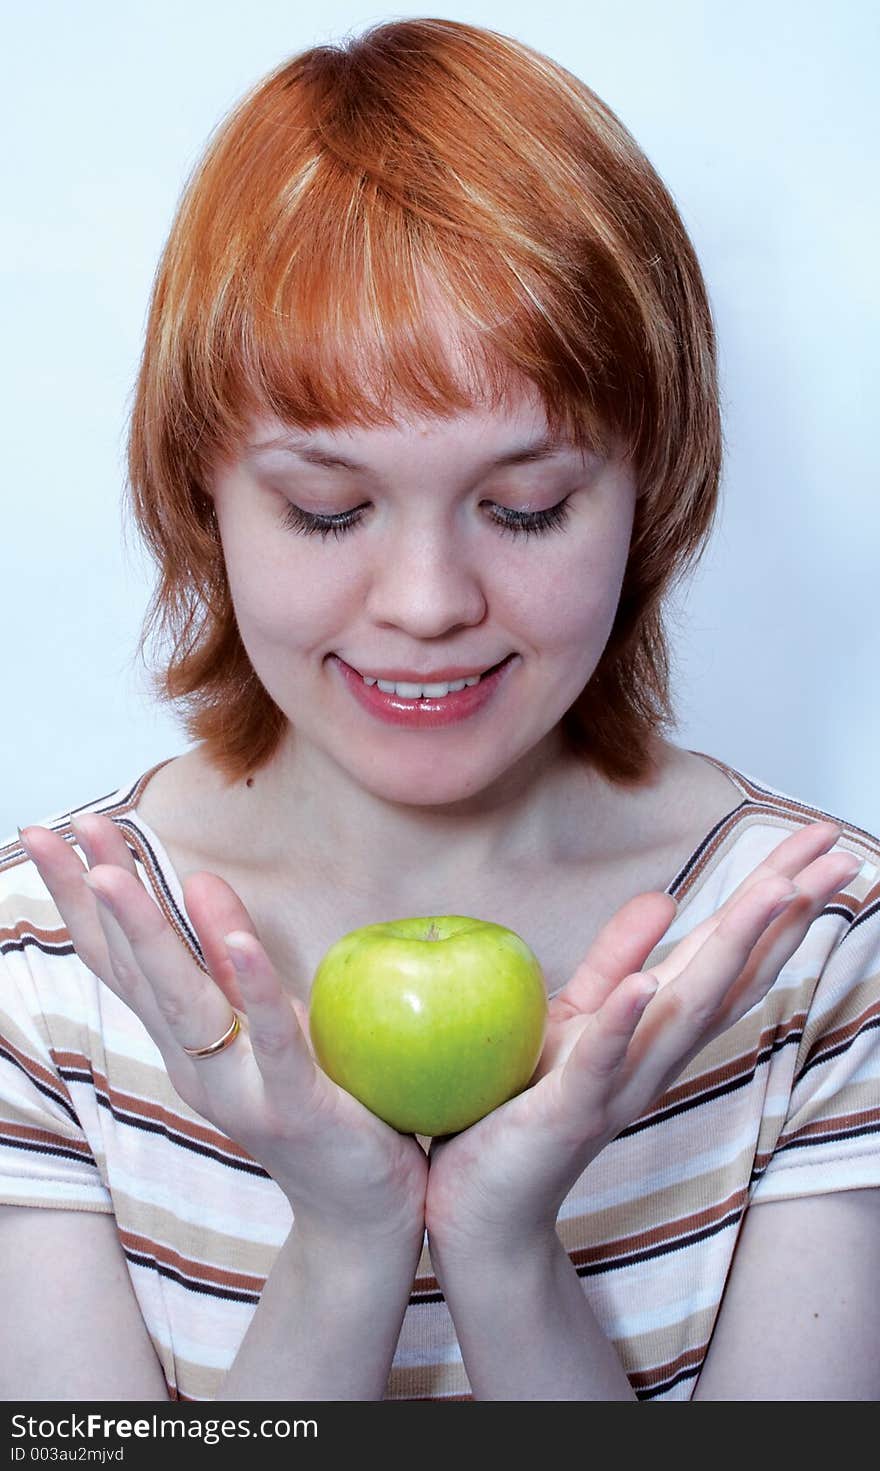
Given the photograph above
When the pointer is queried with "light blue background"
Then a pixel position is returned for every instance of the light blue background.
(761, 118)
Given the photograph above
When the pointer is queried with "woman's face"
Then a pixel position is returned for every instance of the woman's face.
(426, 579)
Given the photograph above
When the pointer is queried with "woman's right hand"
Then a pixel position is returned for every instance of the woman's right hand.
(342, 1169)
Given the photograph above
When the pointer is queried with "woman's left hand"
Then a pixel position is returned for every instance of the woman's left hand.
(501, 1182)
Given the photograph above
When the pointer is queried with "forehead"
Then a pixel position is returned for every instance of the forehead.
(521, 416)
(479, 441)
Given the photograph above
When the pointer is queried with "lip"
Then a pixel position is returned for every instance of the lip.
(414, 676)
(425, 714)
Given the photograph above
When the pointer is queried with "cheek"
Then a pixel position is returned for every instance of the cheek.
(576, 606)
(278, 595)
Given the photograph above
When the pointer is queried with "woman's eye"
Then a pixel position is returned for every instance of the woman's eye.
(532, 523)
(297, 519)
(514, 523)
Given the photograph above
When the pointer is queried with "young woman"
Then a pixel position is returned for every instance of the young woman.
(428, 396)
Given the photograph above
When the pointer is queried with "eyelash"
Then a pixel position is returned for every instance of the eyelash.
(522, 523)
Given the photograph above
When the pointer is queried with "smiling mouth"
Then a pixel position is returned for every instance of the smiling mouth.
(428, 689)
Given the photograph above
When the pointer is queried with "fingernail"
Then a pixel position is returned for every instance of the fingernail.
(236, 945)
(648, 991)
(849, 875)
(782, 905)
(24, 843)
(81, 838)
(101, 897)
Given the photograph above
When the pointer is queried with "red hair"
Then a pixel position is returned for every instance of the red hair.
(290, 284)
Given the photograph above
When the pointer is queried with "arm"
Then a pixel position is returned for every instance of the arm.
(800, 1319)
(70, 1334)
(326, 1327)
(329, 1317)
(525, 1328)
(328, 1322)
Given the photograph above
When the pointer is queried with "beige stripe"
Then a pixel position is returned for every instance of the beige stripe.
(224, 1260)
(838, 1124)
(37, 1072)
(605, 1251)
(146, 1082)
(856, 1008)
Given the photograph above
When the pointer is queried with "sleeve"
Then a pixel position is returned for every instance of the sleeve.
(45, 1157)
(830, 1136)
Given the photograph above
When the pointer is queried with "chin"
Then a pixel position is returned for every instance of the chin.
(434, 784)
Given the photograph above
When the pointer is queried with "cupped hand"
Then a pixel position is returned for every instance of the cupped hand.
(617, 1037)
(340, 1166)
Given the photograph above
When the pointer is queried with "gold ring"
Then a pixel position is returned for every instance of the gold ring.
(221, 1044)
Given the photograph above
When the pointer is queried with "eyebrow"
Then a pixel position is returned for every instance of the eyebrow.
(544, 448)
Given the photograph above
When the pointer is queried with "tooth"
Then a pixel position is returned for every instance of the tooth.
(421, 691)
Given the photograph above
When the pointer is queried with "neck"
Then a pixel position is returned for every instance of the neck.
(544, 811)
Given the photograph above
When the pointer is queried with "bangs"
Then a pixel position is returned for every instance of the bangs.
(354, 250)
(377, 322)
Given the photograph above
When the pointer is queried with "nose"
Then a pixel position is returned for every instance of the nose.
(427, 582)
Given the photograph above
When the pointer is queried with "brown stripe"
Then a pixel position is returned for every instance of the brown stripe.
(841, 1036)
(39, 1074)
(446, 1381)
(661, 1374)
(14, 935)
(190, 1129)
(199, 1271)
(769, 802)
(840, 1124)
(662, 1234)
(693, 1088)
(156, 879)
(23, 1133)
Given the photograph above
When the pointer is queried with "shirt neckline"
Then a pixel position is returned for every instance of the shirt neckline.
(150, 852)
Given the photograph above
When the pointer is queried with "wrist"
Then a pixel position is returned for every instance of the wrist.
(565, 1354)
(318, 1239)
(524, 1250)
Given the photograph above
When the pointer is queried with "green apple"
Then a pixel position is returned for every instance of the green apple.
(430, 1022)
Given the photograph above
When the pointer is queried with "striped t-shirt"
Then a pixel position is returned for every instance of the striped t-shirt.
(785, 1103)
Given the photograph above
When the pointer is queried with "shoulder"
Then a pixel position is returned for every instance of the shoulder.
(763, 818)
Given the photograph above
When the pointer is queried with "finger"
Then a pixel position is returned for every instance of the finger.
(787, 860)
(63, 873)
(102, 841)
(213, 907)
(600, 1050)
(737, 964)
(631, 934)
(215, 910)
(195, 1012)
(192, 1010)
(122, 973)
(793, 854)
(281, 1048)
(817, 884)
(811, 880)
(621, 947)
